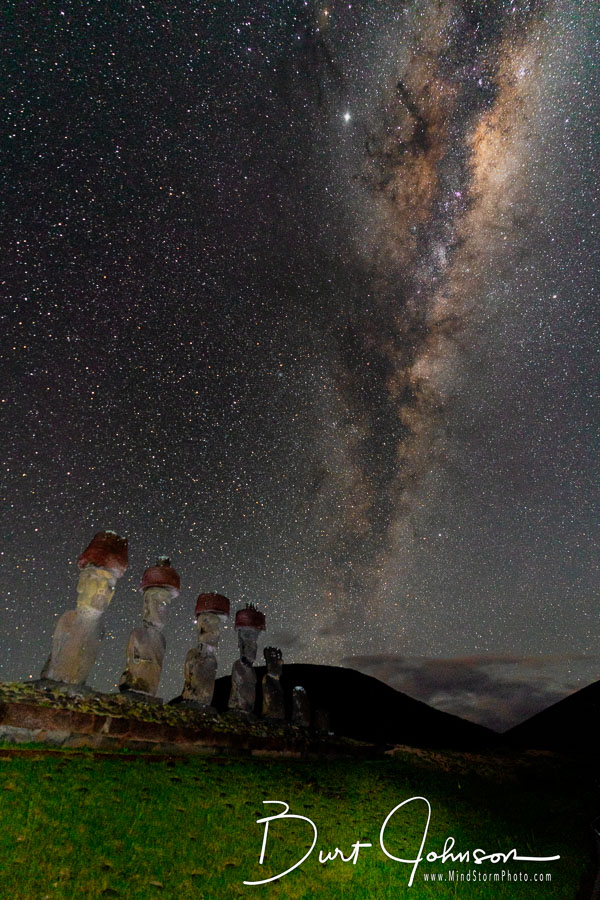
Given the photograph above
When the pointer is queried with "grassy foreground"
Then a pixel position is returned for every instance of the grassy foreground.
(80, 825)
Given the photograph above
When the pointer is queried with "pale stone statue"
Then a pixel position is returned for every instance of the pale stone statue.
(78, 632)
(273, 706)
(300, 707)
(322, 721)
(248, 623)
(201, 661)
(146, 645)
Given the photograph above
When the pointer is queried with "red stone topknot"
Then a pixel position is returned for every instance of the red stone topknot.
(250, 617)
(213, 603)
(161, 575)
(106, 550)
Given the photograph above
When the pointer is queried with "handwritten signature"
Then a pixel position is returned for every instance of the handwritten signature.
(477, 856)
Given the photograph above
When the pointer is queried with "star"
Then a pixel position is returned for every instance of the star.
(292, 313)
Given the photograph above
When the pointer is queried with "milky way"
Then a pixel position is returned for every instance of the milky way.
(440, 172)
(442, 138)
(304, 298)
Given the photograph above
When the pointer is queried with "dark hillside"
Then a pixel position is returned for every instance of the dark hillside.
(366, 709)
(567, 725)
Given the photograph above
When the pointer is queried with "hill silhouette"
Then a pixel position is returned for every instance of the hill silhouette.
(566, 725)
(361, 707)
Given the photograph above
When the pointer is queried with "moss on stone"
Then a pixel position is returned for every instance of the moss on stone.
(116, 706)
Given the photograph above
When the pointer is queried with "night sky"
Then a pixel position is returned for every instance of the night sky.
(303, 295)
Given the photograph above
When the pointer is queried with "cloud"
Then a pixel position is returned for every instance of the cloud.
(498, 691)
(287, 640)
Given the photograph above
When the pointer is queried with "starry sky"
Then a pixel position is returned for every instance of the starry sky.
(302, 295)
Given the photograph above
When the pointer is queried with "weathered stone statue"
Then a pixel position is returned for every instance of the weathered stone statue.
(248, 623)
(273, 706)
(300, 707)
(321, 722)
(78, 632)
(146, 646)
(201, 661)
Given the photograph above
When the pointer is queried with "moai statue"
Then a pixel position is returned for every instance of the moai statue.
(78, 632)
(248, 623)
(201, 661)
(322, 722)
(300, 707)
(273, 706)
(146, 646)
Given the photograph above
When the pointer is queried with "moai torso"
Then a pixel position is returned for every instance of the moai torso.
(243, 676)
(145, 654)
(300, 707)
(200, 673)
(243, 687)
(78, 632)
(200, 670)
(146, 645)
(273, 706)
(322, 721)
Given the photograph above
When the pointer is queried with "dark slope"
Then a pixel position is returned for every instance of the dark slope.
(366, 709)
(566, 725)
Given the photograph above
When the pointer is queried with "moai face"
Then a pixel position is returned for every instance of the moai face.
(209, 629)
(156, 605)
(247, 641)
(95, 588)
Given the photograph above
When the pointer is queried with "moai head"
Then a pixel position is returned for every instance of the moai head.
(248, 623)
(274, 661)
(160, 584)
(211, 611)
(102, 562)
(95, 589)
(156, 605)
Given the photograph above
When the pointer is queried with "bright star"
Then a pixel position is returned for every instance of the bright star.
(347, 117)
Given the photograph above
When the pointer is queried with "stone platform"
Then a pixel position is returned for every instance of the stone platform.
(113, 722)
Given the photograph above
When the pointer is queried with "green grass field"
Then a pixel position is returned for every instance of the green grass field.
(80, 825)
